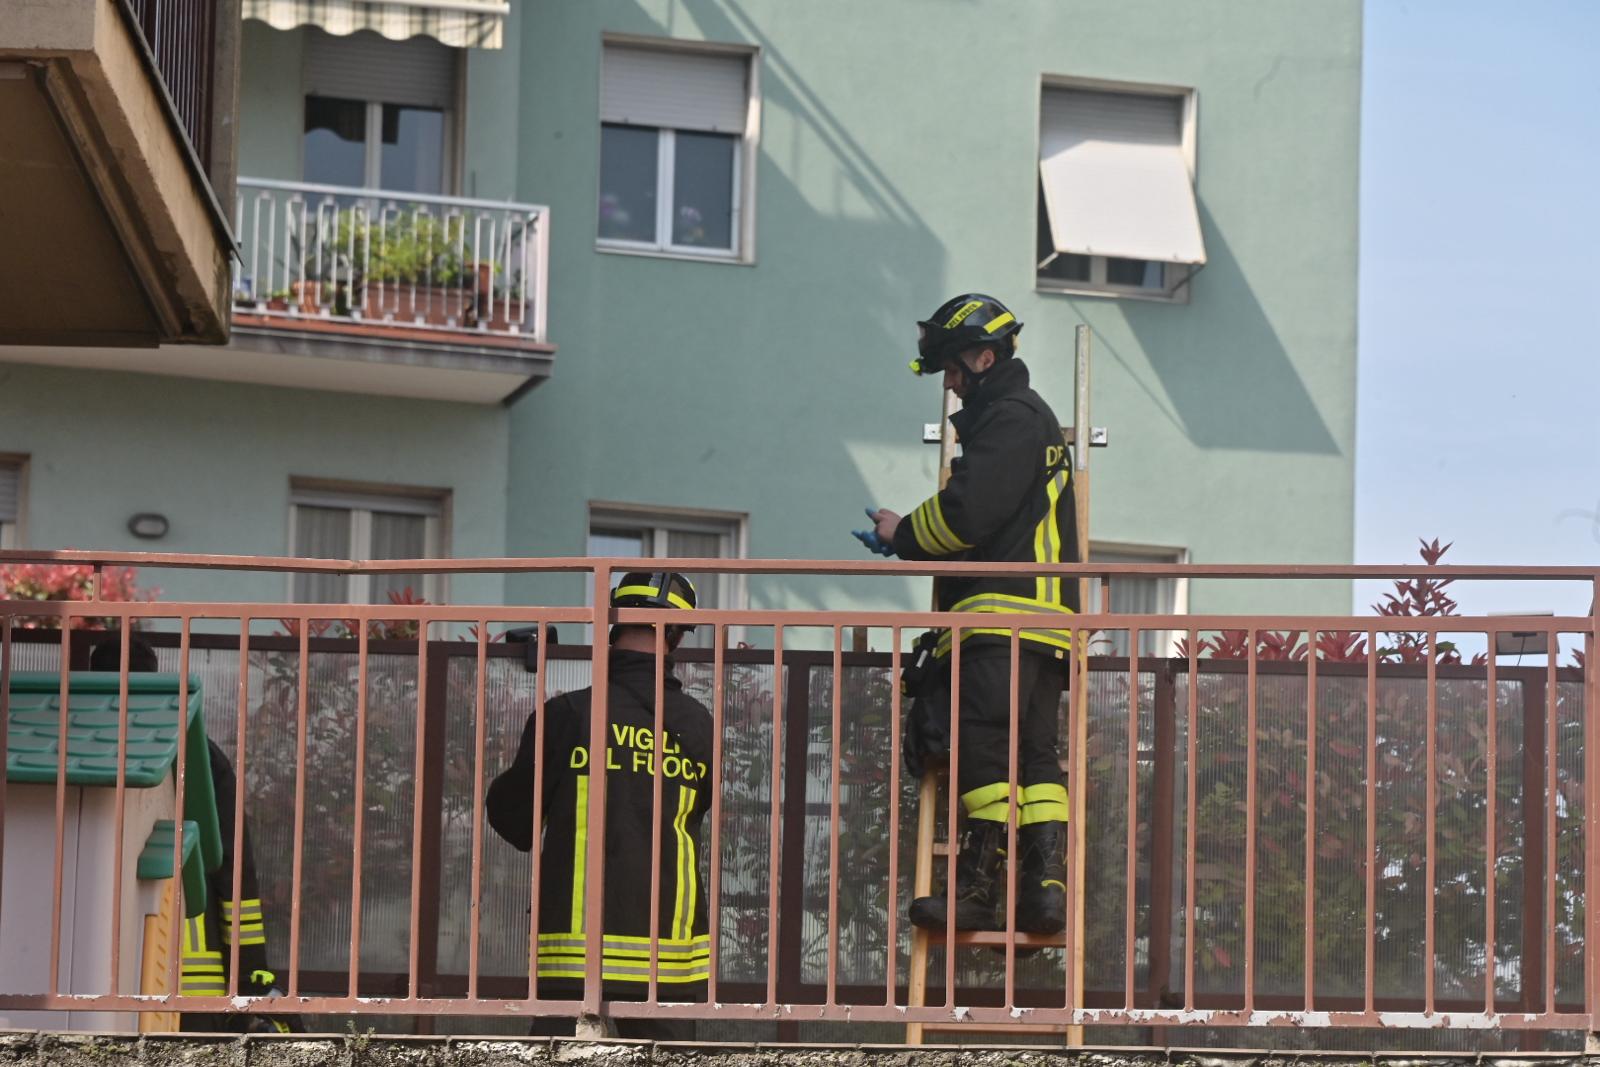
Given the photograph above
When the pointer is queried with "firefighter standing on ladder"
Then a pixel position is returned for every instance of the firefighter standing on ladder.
(1007, 500)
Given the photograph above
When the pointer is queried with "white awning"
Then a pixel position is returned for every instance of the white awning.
(457, 23)
(1115, 179)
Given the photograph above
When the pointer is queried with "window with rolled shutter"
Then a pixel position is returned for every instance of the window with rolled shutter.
(10, 503)
(674, 141)
(378, 113)
(1117, 207)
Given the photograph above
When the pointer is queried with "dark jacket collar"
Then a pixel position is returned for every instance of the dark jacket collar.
(640, 667)
(1008, 377)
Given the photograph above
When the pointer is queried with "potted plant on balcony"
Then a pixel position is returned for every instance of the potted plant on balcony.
(415, 272)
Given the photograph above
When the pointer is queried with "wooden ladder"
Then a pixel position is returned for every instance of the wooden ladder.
(929, 849)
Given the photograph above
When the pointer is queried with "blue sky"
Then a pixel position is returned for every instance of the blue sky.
(1480, 284)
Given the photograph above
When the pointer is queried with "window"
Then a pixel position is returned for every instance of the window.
(675, 150)
(13, 483)
(1142, 596)
(386, 523)
(378, 113)
(1116, 205)
(618, 530)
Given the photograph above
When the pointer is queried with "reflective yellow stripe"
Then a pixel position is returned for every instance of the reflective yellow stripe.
(1033, 794)
(985, 795)
(651, 591)
(1005, 602)
(924, 536)
(1061, 639)
(573, 940)
(999, 811)
(580, 853)
(1047, 540)
(1043, 811)
(941, 528)
(677, 926)
(998, 321)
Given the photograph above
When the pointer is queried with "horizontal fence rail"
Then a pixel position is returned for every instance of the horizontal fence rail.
(367, 256)
(1278, 821)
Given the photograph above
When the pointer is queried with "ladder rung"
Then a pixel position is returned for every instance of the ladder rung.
(997, 938)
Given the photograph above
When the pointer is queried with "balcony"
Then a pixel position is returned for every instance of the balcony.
(402, 294)
(107, 111)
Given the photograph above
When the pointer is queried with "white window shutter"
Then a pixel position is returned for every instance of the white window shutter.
(675, 89)
(10, 493)
(419, 72)
(1114, 176)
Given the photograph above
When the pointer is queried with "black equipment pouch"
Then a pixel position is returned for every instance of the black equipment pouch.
(925, 696)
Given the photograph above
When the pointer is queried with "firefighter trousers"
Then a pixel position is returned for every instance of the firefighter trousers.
(984, 765)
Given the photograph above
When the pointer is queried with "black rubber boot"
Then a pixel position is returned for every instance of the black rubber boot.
(1042, 878)
(979, 890)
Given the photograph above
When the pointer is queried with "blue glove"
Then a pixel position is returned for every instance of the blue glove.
(870, 538)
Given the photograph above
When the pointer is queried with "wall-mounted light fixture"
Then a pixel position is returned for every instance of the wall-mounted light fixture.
(148, 525)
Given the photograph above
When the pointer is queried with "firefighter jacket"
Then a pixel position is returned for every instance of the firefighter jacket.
(1007, 500)
(630, 762)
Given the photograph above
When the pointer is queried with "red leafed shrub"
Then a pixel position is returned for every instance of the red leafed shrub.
(68, 581)
(1412, 598)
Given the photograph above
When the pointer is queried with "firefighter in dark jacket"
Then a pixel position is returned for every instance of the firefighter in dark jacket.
(208, 937)
(630, 760)
(1007, 500)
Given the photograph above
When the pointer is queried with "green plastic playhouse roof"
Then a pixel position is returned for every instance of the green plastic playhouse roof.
(155, 862)
(33, 738)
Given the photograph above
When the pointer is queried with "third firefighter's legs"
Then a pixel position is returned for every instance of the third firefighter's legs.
(983, 779)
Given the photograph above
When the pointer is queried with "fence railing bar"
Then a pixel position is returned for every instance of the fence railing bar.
(1431, 830)
(1369, 977)
(718, 723)
(775, 825)
(119, 819)
(1131, 873)
(1491, 842)
(301, 741)
(480, 714)
(1310, 917)
(360, 807)
(835, 743)
(1252, 807)
(1190, 801)
(241, 770)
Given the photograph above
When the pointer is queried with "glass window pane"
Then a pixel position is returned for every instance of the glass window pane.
(1140, 273)
(411, 156)
(702, 183)
(321, 533)
(397, 537)
(628, 182)
(335, 150)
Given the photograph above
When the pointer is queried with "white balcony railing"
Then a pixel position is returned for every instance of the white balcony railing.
(367, 257)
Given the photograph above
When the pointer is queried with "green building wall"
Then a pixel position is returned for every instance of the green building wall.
(897, 166)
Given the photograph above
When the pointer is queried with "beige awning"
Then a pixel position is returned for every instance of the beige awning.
(457, 23)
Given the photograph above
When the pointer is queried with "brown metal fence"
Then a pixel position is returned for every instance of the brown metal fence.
(1299, 843)
(180, 35)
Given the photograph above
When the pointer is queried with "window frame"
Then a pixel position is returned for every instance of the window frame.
(14, 534)
(372, 147)
(746, 145)
(361, 499)
(732, 589)
(1149, 553)
(1172, 291)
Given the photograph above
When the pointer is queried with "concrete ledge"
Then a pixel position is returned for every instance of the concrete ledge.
(30, 1049)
